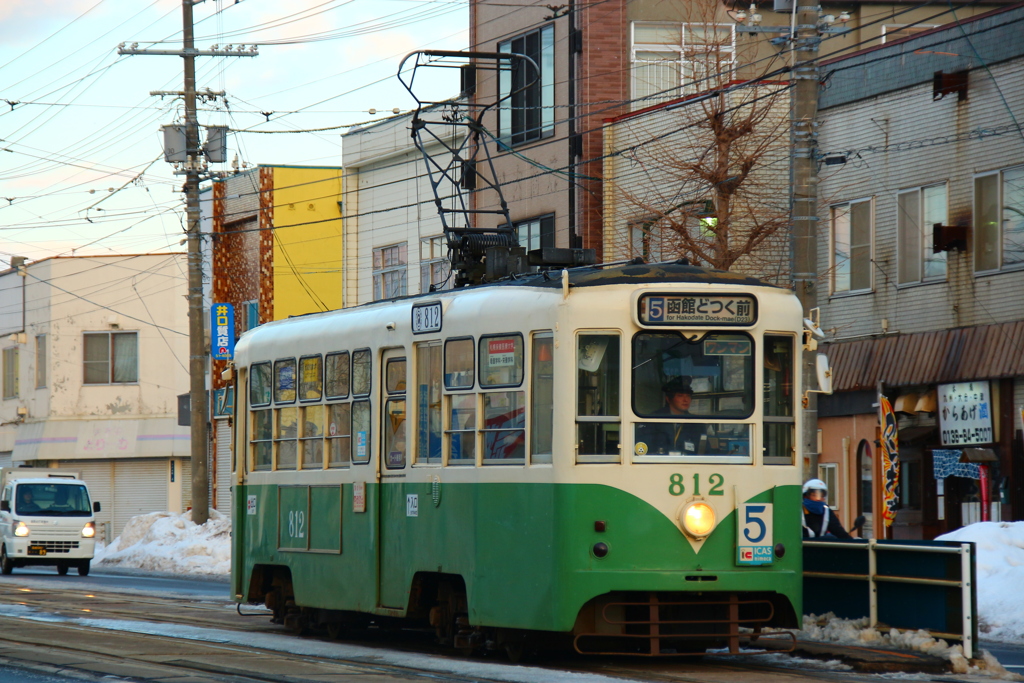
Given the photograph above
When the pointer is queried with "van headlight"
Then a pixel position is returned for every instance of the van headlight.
(20, 529)
(89, 530)
(698, 519)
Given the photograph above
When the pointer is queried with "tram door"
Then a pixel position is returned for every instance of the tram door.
(394, 506)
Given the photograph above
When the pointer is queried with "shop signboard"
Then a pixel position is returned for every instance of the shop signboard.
(965, 413)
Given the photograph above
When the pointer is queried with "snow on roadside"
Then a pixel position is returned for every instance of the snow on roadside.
(828, 628)
(171, 543)
(1000, 566)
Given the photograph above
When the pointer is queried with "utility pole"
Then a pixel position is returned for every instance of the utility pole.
(193, 169)
(805, 204)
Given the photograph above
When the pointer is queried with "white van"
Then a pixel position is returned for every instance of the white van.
(46, 517)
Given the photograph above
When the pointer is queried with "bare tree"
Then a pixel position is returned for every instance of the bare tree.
(703, 174)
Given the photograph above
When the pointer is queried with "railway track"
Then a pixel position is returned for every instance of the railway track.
(152, 638)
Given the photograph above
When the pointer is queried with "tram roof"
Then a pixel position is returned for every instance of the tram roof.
(635, 273)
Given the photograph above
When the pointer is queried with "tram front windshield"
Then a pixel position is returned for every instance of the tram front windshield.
(684, 386)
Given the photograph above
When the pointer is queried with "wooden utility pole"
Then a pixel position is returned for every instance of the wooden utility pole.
(194, 170)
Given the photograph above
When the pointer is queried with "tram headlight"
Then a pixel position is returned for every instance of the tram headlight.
(20, 529)
(698, 519)
(89, 530)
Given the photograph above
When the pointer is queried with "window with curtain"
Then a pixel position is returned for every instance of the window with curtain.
(919, 210)
(999, 220)
(851, 246)
(670, 60)
(111, 358)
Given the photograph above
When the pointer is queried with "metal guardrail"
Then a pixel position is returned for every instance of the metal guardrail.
(927, 585)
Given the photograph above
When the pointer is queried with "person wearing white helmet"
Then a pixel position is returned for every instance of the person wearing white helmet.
(818, 520)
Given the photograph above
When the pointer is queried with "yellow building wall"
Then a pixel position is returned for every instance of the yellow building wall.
(308, 248)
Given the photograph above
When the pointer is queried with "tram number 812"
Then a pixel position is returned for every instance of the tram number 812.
(676, 487)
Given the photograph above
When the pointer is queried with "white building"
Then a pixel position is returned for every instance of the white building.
(394, 243)
(94, 355)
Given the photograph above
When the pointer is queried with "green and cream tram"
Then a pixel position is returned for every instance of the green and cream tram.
(508, 463)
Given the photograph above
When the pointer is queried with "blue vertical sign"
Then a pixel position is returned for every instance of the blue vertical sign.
(222, 325)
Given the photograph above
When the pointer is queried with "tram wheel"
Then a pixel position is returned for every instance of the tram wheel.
(515, 652)
(6, 565)
(62, 568)
(83, 568)
(335, 629)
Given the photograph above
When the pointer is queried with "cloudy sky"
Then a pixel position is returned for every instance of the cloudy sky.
(82, 169)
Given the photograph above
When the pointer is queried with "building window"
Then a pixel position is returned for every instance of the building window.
(11, 372)
(435, 268)
(389, 272)
(250, 315)
(891, 32)
(536, 233)
(918, 212)
(41, 361)
(999, 219)
(672, 60)
(111, 358)
(527, 111)
(851, 246)
(647, 240)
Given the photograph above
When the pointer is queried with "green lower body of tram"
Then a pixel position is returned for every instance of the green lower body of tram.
(511, 563)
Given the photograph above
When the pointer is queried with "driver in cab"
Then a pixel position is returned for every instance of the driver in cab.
(678, 438)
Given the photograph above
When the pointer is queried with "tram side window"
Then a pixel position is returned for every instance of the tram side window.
(361, 431)
(261, 442)
(428, 402)
(287, 431)
(542, 391)
(458, 364)
(461, 432)
(504, 428)
(501, 360)
(337, 375)
(339, 434)
(284, 381)
(394, 417)
(361, 366)
(597, 397)
(779, 423)
(311, 378)
(312, 438)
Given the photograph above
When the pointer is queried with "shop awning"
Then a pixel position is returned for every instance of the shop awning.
(91, 439)
(963, 354)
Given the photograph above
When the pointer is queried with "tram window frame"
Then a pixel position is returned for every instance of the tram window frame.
(266, 385)
(278, 390)
(458, 403)
(542, 398)
(749, 392)
(256, 439)
(472, 369)
(516, 404)
(519, 359)
(301, 379)
(603, 418)
(305, 439)
(328, 382)
(395, 395)
(282, 441)
(369, 372)
(339, 436)
(772, 422)
(432, 381)
(368, 439)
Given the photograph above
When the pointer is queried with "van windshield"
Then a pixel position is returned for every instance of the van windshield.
(66, 500)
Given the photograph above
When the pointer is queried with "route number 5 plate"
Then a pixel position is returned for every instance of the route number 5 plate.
(754, 544)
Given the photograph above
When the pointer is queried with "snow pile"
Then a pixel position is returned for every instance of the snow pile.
(1000, 565)
(827, 628)
(171, 543)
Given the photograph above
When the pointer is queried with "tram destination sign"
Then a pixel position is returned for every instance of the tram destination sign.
(697, 309)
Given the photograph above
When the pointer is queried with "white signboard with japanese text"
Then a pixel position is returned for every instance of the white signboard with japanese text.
(965, 413)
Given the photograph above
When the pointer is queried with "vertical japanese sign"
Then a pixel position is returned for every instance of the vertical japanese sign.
(890, 460)
(222, 325)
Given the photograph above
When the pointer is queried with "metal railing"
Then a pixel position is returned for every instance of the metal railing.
(943, 601)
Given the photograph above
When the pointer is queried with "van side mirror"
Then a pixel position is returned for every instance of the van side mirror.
(96, 507)
(5, 505)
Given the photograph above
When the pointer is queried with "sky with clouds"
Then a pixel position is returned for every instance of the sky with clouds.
(82, 169)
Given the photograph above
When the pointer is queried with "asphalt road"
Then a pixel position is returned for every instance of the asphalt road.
(9, 674)
(124, 580)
